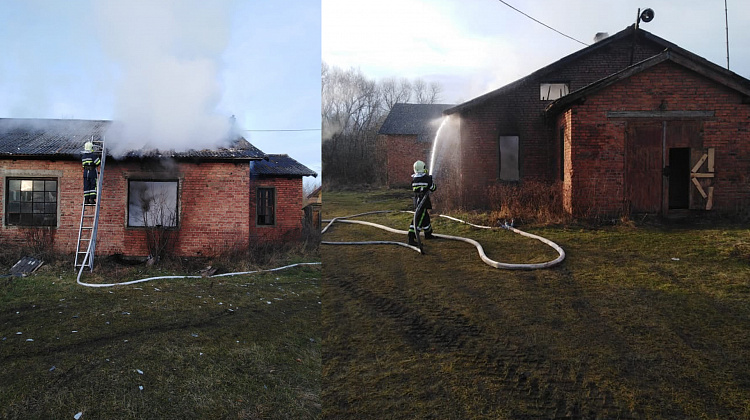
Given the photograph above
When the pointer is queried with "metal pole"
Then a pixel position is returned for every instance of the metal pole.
(726, 22)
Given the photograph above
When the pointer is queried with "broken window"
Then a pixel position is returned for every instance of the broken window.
(31, 202)
(266, 207)
(152, 203)
(552, 91)
(508, 146)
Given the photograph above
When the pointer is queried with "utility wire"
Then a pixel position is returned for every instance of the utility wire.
(543, 24)
(291, 129)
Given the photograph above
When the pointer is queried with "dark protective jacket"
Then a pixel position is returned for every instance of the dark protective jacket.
(420, 184)
(90, 162)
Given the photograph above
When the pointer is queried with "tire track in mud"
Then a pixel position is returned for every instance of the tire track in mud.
(510, 374)
(441, 330)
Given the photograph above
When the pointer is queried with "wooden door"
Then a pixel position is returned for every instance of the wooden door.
(644, 163)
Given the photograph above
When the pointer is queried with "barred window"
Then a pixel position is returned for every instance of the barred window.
(31, 202)
(266, 208)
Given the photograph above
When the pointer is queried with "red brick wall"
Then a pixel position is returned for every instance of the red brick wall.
(519, 112)
(216, 205)
(401, 152)
(289, 211)
(598, 143)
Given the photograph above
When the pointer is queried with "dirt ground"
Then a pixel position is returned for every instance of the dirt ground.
(620, 330)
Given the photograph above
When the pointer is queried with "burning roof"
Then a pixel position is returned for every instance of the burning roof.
(64, 138)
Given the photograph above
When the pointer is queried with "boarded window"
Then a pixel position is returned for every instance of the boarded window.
(266, 207)
(31, 202)
(552, 91)
(508, 146)
(152, 203)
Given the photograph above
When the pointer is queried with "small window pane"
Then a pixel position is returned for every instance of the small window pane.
(14, 185)
(38, 196)
(50, 185)
(38, 185)
(27, 185)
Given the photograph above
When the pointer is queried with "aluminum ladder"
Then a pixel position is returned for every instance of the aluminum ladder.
(86, 243)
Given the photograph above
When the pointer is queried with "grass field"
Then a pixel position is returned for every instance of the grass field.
(242, 347)
(639, 321)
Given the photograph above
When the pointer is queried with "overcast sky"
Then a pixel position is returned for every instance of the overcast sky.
(474, 46)
(177, 69)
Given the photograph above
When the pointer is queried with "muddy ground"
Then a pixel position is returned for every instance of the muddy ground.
(620, 330)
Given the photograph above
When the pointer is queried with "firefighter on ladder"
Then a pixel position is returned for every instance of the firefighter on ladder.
(90, 161)
(421, 184)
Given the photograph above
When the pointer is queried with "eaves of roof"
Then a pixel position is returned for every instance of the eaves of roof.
(280, 165)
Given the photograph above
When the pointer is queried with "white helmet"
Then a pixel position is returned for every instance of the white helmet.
(419, 167)
(89, 146)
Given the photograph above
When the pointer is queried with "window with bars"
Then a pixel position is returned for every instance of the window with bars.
(31, 202)
(266, 208)
(552, 91)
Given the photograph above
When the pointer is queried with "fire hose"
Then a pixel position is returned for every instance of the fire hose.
(480, 249)
(188, 277)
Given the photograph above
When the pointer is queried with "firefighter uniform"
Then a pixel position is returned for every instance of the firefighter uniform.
(421, 183)
(90, 161)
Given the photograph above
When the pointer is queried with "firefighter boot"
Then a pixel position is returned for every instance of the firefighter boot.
(413, 239)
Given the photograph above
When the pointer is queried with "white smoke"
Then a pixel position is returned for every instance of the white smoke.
(169, 53)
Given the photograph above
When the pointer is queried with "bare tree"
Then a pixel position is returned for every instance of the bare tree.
(395, 91)
(353, 108)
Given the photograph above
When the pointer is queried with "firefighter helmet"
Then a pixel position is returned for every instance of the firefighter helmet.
(89, 146)
(419, 167)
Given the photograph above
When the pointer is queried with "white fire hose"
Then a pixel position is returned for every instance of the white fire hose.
(482, 254)
(188, 277)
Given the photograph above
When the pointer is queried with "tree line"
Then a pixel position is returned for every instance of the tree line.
(353, 109)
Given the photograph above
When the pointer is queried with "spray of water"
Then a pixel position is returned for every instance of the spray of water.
(433, 154)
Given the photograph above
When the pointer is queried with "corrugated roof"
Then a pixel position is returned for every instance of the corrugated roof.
(280, 165)
(26, 137)
(421, 120)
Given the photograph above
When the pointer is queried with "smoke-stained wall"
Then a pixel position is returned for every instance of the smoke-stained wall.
(216, 205)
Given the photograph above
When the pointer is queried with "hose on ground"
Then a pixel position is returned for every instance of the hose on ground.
(477, 245)
(125, 283)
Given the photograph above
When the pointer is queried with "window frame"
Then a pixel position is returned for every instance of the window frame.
(549, 90)
(55, 219)
(174, 181)
(258, 198)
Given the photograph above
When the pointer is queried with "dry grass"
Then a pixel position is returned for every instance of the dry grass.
(233, 347)
(640, 321)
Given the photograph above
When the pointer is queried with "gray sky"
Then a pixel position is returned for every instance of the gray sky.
(474, 46)
(174, 69)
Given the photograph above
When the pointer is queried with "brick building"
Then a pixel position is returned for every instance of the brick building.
(213, 200)
(406, 136)
(620, 126)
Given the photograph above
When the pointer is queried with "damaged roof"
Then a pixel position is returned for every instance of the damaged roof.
(280, 165)
(64, 138)
(422, 120)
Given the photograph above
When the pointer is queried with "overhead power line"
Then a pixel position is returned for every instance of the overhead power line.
(543, 24)
(289, 129)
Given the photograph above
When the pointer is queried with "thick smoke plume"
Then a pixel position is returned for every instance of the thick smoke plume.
(169, 52)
